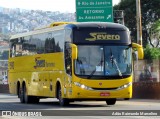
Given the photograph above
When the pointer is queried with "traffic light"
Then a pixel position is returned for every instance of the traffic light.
(118, 16)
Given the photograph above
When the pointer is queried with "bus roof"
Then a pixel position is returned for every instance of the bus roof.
(50, 27)
(107, 25)
(62, 25)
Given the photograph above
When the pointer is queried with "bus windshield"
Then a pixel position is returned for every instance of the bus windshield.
(105, 61)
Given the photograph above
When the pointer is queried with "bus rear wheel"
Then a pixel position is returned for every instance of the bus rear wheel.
(27, 99)
(111, 101)
(62, 101)
(21, 95)
(24, 98)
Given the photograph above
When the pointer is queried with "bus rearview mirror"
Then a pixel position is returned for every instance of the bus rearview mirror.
(74, 51)
(139, 49)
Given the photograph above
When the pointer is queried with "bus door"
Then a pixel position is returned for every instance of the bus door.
(68, 68)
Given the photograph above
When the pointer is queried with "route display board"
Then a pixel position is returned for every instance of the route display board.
(94, 10)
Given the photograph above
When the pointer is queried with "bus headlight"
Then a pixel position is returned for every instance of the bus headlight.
(124, 86)
(77, 84)
(82, 86)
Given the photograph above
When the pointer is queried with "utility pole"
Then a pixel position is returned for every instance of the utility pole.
(139, 24)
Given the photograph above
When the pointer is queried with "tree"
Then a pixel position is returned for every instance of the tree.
(154, 34)
(150, 13)
(151, 53)
(129, 15)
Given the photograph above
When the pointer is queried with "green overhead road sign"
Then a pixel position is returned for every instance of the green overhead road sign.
(94, 10)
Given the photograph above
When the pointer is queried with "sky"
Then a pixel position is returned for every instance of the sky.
(46, 5)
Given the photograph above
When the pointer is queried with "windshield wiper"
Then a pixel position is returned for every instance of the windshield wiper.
(113, 61)
(100, 64)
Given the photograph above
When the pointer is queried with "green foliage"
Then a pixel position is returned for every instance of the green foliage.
(150, 13)
(154, 33)
(156, 26)
(151, 53)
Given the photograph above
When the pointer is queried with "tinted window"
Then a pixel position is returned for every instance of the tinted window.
(38, 44)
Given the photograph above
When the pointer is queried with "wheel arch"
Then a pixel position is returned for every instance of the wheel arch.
(58, 84)
(18, 87)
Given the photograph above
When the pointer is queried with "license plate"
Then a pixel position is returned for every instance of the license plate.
(104, 94)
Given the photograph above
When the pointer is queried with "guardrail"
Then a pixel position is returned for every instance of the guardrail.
(4, 88)
(141, 90)
(146, 90)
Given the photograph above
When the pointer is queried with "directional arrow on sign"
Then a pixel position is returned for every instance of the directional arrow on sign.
(109, 16)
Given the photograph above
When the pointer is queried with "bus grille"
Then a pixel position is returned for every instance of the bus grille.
(104, 88)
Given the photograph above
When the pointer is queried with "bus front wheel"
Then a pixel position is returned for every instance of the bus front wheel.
(111, 101)
(62, 101)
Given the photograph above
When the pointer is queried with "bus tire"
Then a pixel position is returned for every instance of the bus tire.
(21, 95)
(27, 99)
(18, 90)
(62, 101)
(111, 101)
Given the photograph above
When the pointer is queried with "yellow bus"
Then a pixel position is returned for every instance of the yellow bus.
(73, 62)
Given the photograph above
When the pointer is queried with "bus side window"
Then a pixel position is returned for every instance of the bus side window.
(13, 51)
(68, 61)
(18, 50)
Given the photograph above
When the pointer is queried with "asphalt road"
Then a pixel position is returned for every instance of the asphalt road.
(134, 108)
